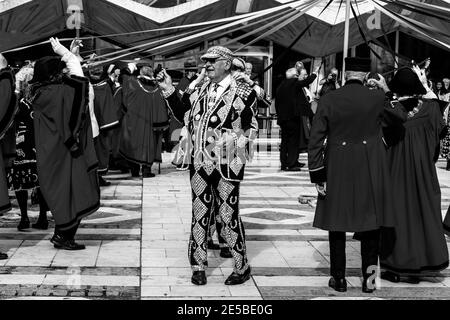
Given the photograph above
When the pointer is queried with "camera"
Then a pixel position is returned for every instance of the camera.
(333, 77)
(158, 69)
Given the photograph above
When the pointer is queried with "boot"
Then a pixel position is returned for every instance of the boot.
(147, 172)
(23, 224)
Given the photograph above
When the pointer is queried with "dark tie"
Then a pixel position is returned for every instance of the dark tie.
(213, 94)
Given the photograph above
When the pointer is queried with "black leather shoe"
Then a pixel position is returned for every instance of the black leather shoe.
(413, 280)
(60, 243)
(3, 256)
(390, 276)
(226, 253)
(291, 169)
(235, 278)
(23, 225)
(300, 164)
(338, 284)
(40, 225)
(212, 245)
(103, 182)
(365, 287)
(199, 278)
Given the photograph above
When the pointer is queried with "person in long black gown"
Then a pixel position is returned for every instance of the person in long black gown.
(417, 243)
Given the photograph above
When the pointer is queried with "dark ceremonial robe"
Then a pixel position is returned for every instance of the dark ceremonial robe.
(353, 163)
(120, 111)
(231, 114)
(107, 118)
(65, 153)
(420, 244)
(145, 118)
(104, 107)
(8, 109)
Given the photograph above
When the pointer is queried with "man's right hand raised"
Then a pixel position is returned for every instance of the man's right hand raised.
(164, 80)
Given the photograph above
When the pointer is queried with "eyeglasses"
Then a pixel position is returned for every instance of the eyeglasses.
(213, 60)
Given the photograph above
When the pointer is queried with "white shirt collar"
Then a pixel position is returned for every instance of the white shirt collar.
(225, 82)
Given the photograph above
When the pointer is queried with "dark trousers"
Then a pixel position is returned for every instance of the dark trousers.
(369, 252)
(102, 149)
(205, 184)
(290, 142)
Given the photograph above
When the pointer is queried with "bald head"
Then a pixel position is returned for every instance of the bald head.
(291, 73)
(3, 62)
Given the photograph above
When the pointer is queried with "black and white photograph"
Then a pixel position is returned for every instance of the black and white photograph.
(225, 156)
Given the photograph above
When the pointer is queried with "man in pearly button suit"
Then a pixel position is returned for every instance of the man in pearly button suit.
(221, 126)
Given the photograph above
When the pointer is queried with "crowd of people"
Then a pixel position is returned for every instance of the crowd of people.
(372, 149)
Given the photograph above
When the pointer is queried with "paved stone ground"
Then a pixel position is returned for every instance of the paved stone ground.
(137, 245)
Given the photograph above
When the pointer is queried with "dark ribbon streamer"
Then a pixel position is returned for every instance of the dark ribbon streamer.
(281, 56)
(374, 40)
(411, 22)
(362, 33)
(421, 10)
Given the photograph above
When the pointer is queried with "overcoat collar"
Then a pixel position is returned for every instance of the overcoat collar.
(353, 81)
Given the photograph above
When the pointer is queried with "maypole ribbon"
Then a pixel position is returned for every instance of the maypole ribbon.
(407, 24)
(205, 33)
(268, 25)
(238, 28)
(290, 20)
(193, 25)
(118, 52)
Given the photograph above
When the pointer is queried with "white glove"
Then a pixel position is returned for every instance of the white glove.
(58, 48)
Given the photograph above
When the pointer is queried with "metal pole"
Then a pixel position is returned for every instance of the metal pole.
(346, 34)
(270, 71)
(397, 40)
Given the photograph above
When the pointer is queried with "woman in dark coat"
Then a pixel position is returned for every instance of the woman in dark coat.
(22, 176)
(418, 243)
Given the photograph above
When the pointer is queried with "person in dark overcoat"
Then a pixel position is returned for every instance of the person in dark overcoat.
(348, 163)
(291, 104)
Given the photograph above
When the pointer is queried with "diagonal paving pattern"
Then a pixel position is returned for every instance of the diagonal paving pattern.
(137, 244)
(108, 268)
(289, 258)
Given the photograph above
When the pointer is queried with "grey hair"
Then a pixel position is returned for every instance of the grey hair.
(355, 75)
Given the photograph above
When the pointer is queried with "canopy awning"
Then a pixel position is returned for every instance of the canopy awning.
(27, 21)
